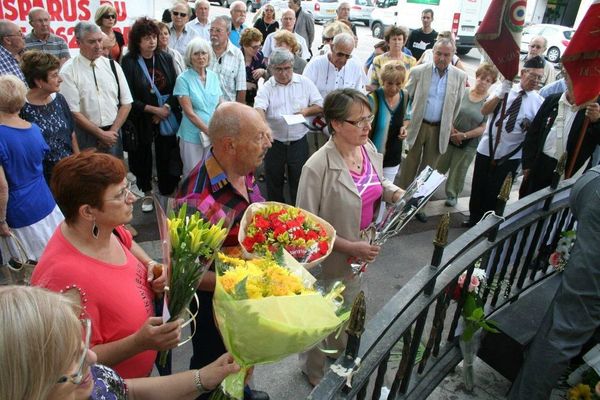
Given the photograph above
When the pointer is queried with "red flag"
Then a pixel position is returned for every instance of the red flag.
(581, 58)
(500, 34)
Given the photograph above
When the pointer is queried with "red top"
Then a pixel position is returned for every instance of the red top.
(115, 297)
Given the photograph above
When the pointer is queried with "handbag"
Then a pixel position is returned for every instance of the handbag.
(129, 135)
(168, 126)
(18, 269)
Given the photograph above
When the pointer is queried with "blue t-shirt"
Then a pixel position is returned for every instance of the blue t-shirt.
(22, 151)
(204, 98)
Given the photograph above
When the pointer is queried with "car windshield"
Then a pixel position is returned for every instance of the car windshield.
(568, 34)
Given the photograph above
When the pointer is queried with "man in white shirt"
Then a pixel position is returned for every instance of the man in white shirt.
(499, 151)
(181, 35)
(227, 61)
(286, 94)
(334, 70)
(337, 69)
(537, 47)
(99, 103)
(201, 24)
(288, 20)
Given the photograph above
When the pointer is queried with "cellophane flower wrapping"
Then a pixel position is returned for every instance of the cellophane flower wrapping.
(192, 233)
(264, 315)
(266, 226)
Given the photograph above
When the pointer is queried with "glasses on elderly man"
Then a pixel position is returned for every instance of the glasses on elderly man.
(77, 377)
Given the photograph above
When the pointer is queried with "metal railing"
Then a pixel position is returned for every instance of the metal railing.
(411, 344)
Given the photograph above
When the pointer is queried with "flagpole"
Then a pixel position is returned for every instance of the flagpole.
(569, 171)
(499, 129)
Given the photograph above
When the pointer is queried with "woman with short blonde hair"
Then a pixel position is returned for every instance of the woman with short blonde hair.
(106, 18)
(287, 40)
(45, 356)
(27, 209)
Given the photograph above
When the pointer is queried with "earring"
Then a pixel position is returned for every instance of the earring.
(95, 230)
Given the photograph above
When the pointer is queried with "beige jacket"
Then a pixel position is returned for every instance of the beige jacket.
(417, 87)
(327, 190)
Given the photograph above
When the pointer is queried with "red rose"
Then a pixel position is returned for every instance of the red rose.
(323, 247)
(248, 243)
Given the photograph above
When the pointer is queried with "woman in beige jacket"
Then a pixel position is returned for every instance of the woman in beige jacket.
(343, 183)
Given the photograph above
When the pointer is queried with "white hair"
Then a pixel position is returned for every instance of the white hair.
(193, 47)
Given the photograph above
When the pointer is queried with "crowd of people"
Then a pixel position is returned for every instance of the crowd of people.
(204, 105)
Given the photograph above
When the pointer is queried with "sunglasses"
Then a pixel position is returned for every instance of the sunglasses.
(179, 14)
(109, 16)
(340, 55)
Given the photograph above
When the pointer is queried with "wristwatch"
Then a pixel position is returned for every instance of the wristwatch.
(198, 383)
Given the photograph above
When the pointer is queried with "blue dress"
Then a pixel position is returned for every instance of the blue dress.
(108, 385)
(56, 122)
(22, 151)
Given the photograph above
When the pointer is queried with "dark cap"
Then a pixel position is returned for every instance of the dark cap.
(534, 62)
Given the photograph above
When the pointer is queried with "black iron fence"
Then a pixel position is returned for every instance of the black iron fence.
(411, 344)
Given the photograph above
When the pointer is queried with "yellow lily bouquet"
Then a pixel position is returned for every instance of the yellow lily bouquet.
(190, 245)
(267, 309)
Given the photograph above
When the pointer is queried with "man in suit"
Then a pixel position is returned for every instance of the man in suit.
(554, 130)
(435, 90)
(499, 151)
(574, 314)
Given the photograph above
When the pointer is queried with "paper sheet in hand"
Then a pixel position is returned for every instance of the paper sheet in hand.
(294, 119)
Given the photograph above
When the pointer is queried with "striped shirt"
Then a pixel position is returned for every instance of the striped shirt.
(55, 45)
(208, 186)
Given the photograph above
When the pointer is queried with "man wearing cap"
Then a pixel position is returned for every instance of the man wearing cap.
(537, 47)
(499, 151)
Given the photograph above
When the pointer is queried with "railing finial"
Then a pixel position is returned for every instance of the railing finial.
(441, 236)
(356, 325)
(504, 194)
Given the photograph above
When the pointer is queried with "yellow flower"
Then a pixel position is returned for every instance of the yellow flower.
(579, 392)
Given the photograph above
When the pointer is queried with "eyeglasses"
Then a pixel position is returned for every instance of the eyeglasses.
(77, 377)
(179, 14)
(240, 11)
(535, 46)
(257, 47)
(537, 77)
(282, 69)
(20, 34)
(109, 16)
(363, 122)
(340, 55)
(326, 39)
(123, 195)
(215, 30)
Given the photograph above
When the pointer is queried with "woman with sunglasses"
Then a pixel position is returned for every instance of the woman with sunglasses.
(343, 183)
(92, 257)
(265, 21)
(106, 19)
(46, 355)
(256, 67)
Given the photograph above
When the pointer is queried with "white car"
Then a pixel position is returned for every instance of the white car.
(360, 10)
(322, 10)
(558, 38)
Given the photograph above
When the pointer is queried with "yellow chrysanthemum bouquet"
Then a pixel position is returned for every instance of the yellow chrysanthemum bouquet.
(267, 309)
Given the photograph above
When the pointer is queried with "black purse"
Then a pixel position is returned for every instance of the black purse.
(129, 134)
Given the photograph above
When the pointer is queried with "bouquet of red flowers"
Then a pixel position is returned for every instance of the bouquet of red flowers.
(267, 226)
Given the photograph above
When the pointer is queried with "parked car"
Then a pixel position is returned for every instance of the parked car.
(558, 38)
(322, 10)
(361, 10)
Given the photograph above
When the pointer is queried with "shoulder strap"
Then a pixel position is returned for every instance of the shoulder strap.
(114, 71)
